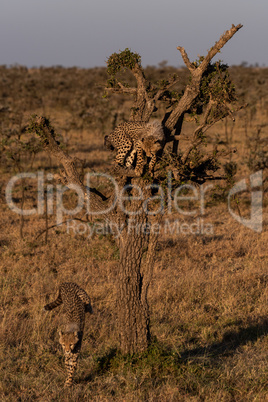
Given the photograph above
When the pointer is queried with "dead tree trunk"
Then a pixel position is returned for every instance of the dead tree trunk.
(138, 241)
(137, 244)
(132, 306)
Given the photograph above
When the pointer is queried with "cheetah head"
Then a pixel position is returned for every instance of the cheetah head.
(151, 146)
(68, 341)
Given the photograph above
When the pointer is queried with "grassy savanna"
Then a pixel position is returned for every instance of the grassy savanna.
(208, 296)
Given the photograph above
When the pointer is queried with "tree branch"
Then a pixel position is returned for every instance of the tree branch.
(202, 128)
(122, 89)
(98, 201)
(192, 89)
(196, 138)
(186, 59)
(218, 46)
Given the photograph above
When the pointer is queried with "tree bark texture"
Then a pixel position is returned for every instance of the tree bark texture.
(137, 246)
(132, 306)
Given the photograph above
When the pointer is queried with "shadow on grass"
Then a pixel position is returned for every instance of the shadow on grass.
(183, 243)
(231, 341)
(155, 360)
(162, 361)
(103, 365)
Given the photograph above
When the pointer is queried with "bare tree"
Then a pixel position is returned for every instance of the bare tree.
(134, 208)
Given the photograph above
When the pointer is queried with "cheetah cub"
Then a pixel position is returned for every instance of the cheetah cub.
(134, 138)
(76, 303)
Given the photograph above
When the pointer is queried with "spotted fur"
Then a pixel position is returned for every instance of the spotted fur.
(76, 303)
(132, 139)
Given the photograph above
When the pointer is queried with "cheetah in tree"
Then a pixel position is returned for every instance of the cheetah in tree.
(76, 303)
(132, 139)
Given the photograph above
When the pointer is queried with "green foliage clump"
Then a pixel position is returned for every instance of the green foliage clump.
(216, 84)
(16, 148)
(156, 361)
(40, 127)
(122, 60)
(35, 127)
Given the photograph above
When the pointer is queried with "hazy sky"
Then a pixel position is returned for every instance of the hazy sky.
(84, 33)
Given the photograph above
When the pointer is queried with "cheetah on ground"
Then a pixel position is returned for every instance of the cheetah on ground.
(76, 303)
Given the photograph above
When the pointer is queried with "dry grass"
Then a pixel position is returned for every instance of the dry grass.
(208, 298)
